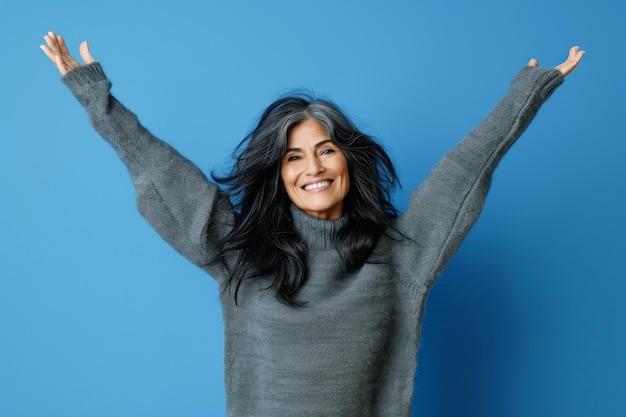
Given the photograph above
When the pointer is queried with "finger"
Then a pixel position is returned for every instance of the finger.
(85, 53)
(578, 56)
(51, 43)
(46, 50)
(533, 63)
(572, 53)
(54, 41)
(62, 46)
(61, 65)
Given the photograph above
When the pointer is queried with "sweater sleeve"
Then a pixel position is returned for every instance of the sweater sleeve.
(444, 207)
(173, 195)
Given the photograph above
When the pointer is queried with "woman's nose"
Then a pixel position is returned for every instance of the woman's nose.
(314, 166)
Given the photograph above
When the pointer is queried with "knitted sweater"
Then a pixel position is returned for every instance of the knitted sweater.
(352, 350)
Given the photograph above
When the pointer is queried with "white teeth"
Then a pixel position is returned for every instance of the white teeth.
(317, 185)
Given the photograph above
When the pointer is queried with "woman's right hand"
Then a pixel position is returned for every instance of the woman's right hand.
(56, 50)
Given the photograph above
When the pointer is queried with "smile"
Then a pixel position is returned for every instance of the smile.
(317, 185)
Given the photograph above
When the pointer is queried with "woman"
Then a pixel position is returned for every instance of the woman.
(323, 285)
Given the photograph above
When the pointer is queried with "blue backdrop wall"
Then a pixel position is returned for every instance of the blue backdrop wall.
(99, 317)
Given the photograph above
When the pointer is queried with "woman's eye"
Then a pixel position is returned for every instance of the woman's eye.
(327, 151)
(293, 158)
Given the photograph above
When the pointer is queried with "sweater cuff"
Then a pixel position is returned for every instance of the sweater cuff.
(84, 75)
(545, 81)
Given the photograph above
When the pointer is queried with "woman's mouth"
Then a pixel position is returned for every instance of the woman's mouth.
(317, 185)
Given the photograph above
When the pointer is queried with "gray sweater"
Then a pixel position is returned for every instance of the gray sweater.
(352, 350)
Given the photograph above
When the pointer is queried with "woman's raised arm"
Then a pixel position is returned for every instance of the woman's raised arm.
(445, 206)
(174, 196)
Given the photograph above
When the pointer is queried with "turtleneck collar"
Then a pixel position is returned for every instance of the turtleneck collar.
(317, 233)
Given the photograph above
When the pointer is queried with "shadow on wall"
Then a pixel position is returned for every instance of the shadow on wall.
(470, 339)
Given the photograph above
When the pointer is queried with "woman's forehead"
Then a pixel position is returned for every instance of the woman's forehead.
(308, 132)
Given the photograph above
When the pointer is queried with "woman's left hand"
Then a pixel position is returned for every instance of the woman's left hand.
(574, 57)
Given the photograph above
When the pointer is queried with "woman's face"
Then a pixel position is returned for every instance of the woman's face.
(315, 171)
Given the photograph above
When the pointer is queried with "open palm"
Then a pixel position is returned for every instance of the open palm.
(56, 50)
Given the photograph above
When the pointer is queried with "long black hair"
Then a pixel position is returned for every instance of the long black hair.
(264, 235)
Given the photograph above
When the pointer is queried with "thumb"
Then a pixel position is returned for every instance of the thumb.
(85, 53)
(533, 63)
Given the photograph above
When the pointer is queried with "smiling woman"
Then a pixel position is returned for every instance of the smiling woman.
(307, 154)
(323, 285)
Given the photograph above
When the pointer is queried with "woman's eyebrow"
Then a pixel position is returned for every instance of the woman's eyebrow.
(317, 145)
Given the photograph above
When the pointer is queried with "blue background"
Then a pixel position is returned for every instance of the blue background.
(99, 317)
